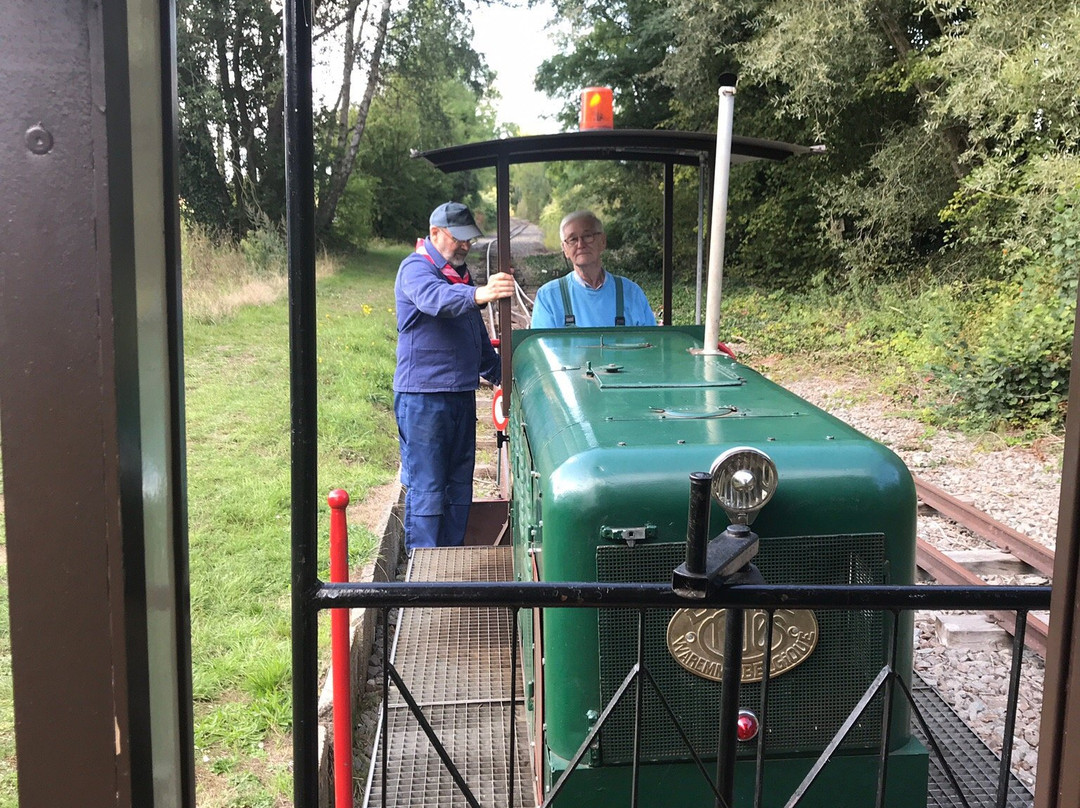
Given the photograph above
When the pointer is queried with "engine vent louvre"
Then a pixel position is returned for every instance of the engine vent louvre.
(806, 704)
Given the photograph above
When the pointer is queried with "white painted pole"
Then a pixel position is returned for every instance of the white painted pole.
(725, 116)
(703, 180)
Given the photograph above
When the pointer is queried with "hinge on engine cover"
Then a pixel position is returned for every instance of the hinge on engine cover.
(630, 535)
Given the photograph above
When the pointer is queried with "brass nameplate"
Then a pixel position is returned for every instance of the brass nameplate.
(695, 638)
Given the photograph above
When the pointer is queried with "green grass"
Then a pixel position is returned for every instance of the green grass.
(237, 398)
(236, 356)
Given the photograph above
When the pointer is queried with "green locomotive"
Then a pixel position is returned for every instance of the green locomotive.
(606, 426)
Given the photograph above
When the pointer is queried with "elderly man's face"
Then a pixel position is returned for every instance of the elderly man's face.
(582, 242)
(450, 248)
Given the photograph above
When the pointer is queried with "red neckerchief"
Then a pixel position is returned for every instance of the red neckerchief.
(448, 271)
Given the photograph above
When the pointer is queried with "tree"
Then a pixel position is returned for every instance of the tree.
(231, 102)
(232, 99)
(613, 44)
(351, 123)
(1008, 76)
(663, 59)
(430, 98)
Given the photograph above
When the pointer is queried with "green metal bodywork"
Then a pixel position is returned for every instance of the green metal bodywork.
(606, 425)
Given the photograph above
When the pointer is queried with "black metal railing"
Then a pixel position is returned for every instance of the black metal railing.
(893, 600)
(309, 595)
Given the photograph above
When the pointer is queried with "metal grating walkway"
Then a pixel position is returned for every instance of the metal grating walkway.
(973, 764)
(463, 690)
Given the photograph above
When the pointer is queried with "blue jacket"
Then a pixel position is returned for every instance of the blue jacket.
(443, 346)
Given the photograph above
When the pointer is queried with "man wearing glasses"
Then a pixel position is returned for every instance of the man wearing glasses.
(443, 350)
(589, 296)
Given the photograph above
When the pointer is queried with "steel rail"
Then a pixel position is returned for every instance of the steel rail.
(1023, 547)
(946, 571)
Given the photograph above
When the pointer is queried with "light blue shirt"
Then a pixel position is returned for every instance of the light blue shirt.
(591, 307)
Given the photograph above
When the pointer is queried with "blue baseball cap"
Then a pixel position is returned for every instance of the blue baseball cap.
(457, 219)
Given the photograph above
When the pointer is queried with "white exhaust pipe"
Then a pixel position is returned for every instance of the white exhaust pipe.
(724, 118)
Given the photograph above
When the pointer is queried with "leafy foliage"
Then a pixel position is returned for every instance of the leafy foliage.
(1017, 369)
(392, 193)
(953, 136)
(231, 91)
(431, 98)
(884, 218)
(615, 44)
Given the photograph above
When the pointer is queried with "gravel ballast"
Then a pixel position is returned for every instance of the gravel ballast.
(1019, 487)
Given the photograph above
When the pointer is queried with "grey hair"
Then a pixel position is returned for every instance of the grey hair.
(581, 214)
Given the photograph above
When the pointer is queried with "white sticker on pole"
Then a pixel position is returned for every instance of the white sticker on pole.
(498, 416)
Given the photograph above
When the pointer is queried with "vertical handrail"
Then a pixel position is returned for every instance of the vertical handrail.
(763, 720)
(338, 500)
(512, 768)
(703, 179)
(731, 679)
(718, 222)
(886, 711)
(385, 697)
(506, 326)
(300, 226)
(1010, 710)
(669, 240)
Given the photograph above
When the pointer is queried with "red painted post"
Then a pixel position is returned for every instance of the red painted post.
(338, 500)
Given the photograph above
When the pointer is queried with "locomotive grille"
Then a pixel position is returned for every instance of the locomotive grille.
(806, 704)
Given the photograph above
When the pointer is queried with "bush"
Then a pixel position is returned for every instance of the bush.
(353, 224)
(264, 248)
(1018, 370)
(1018, 373)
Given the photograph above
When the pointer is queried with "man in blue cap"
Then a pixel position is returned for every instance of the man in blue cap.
(443, 350)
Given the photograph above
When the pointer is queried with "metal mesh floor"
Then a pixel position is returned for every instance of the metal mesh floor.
(973, 764)
(456, 664)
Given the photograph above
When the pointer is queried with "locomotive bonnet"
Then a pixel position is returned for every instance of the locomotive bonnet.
(606, 427)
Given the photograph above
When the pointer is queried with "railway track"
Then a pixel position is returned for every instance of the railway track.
(947, 571)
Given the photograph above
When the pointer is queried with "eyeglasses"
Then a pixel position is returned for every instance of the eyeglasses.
(468, 242)
(584, 238)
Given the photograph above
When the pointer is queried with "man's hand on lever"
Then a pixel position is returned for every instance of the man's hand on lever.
(499, 285)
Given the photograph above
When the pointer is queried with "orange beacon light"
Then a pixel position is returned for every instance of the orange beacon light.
(596, 108)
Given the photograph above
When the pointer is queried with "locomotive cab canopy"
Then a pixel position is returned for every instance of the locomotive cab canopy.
(669, 148)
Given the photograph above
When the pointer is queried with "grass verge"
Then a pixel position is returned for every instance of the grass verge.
(237, 394)
(237, 408)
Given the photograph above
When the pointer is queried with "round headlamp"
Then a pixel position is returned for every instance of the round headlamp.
(743, 480)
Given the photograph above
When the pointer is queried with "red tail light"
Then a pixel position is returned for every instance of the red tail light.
(746, 726)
